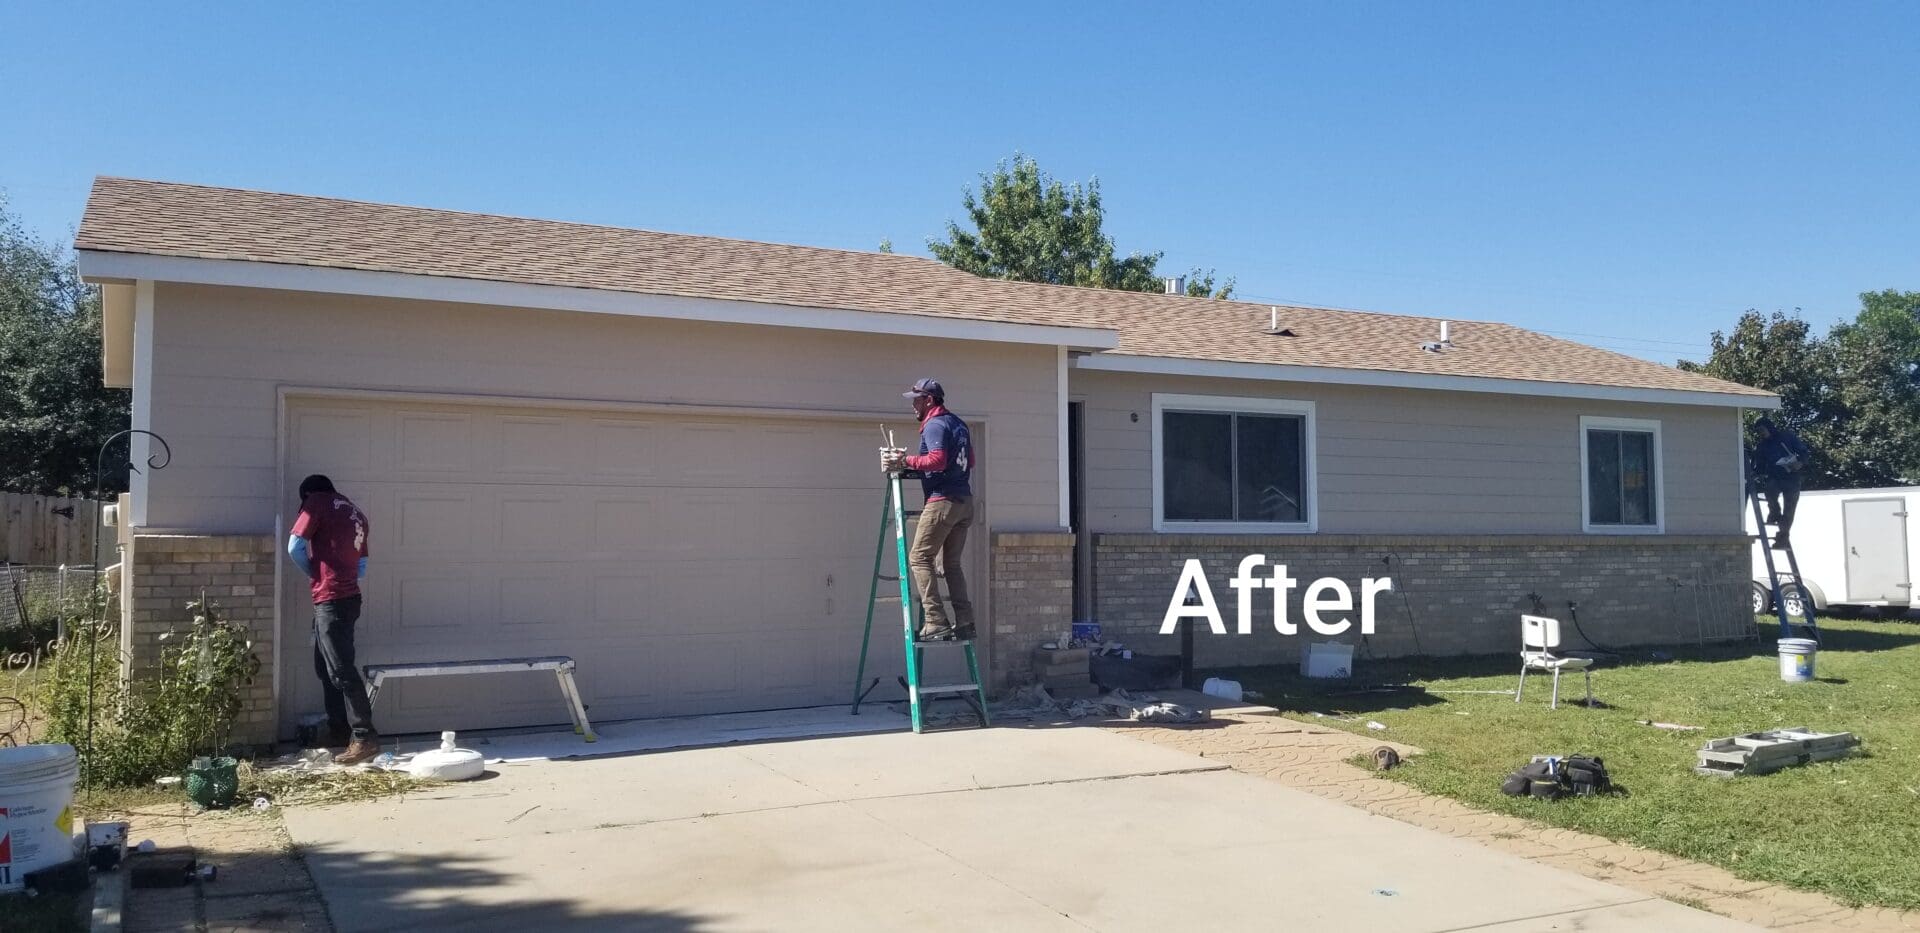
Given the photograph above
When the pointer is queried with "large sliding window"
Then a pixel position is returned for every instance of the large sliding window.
(1232, 464)
(1621, 481)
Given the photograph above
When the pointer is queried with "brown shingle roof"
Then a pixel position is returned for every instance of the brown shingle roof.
(170, 219)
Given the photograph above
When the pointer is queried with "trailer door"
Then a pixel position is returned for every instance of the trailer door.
(1876, 533)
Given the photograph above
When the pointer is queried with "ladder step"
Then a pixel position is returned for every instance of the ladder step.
(942, 643)
(948, 688)
(888, 578)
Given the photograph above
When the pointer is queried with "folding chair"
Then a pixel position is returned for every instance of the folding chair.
(1539, 636)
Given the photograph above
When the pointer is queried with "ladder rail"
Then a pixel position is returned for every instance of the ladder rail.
(894, 513)
(873, 599)
(1777, 590)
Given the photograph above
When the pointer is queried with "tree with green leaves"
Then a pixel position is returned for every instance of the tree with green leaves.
(1853, 394)
(54, 413)
(1030, 227)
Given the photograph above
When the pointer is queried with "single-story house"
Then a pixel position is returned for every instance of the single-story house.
(655, 453)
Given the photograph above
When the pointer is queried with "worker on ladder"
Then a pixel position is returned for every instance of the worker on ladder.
(1779, 457)
(945, 464)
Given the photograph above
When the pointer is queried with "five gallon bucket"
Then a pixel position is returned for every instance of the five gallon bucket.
(36, 816)
(1796, 659)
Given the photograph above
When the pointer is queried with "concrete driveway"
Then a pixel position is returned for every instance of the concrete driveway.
(1016, 829)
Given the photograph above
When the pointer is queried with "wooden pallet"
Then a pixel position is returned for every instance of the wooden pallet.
(1770, 751)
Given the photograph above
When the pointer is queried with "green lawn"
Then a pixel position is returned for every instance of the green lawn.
(1849, 828)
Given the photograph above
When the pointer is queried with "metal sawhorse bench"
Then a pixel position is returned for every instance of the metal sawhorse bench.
(562, 667)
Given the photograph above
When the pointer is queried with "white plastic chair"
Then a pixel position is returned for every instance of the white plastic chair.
(1539, 636)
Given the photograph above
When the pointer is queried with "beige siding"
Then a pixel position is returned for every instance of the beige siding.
(221, 354)
(1422, 462)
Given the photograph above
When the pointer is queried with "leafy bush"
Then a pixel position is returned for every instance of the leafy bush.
(158, 724)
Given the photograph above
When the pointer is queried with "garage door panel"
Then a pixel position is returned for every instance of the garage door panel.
(534, 446)
(439, 520)
(340, 438)
(623, 449)
(432, 599)
(689, 565)
(529, 521)
(627, 523)
(519, 698)
(541, 601)
(707, 673)
(621, 596)
(628, 680)
(434, 442)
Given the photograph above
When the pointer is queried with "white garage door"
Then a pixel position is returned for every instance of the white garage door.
(690, 564)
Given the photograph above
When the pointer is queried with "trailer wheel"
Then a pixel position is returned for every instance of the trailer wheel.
(1796, 598)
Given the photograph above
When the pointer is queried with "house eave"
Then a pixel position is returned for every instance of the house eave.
(104, 266)
(1278, 372)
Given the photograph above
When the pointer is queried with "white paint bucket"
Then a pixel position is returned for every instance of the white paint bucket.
(1222, 688)
(36, 810)
(1796, 659)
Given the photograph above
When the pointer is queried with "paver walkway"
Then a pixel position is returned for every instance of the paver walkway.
(1313, 758)
(261, 886)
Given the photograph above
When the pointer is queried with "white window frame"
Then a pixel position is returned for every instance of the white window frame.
(1643, 426)
(1226, 404)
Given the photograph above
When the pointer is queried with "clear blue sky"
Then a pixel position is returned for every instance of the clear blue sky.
(1641, 172)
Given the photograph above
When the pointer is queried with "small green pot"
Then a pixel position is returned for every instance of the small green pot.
(213, 782)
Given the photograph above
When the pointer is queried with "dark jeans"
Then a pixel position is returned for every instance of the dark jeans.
(1783, 498)
(346, 693)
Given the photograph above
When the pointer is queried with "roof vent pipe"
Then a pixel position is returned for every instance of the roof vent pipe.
(1273, 318)
(1176, 285)
(1446, 333)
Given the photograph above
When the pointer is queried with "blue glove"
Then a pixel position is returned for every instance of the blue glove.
(297, 549)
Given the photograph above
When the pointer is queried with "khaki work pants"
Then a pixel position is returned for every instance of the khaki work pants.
(942, 530)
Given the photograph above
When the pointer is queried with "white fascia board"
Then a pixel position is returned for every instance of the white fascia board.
(97, 265)
(1279, 372)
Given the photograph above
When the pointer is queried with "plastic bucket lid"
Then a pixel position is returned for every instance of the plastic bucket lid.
(1798, 645)
(31, 764)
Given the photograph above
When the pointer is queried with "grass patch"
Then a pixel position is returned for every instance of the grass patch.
(1848, 828)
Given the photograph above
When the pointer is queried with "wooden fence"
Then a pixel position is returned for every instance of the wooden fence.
(48, 531)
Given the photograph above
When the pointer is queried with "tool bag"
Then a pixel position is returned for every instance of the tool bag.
(1554, 778)
(1538, 779)
(1586, 776)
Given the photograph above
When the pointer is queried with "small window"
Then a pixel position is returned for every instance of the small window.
(1622, 480)
(1245, 469)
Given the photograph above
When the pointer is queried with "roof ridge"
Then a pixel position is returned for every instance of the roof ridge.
(518, 218)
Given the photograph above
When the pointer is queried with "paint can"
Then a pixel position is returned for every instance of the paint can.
(36, 810)
(1796, 659)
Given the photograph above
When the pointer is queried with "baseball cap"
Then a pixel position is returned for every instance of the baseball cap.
(925, 387)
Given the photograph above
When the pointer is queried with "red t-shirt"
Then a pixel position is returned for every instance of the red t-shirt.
(336, 533)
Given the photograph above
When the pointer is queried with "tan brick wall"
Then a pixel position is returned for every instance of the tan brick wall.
(1458, 594)
(236, 573)
(1032, 600)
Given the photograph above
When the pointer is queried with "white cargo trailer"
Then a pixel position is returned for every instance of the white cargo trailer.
(1856, 548)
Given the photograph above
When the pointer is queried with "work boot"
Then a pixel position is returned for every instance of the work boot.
(934, 633)
(361, 750)
(963, 633)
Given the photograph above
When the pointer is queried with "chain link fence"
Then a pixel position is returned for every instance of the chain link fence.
(32, 594)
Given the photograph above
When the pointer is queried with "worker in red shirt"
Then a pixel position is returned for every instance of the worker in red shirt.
(945, 464)
(329, 545)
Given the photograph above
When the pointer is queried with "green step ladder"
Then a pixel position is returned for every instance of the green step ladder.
(894, 515)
